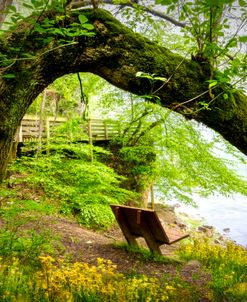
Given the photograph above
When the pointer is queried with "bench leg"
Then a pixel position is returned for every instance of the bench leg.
(153, 245)
(125, 229)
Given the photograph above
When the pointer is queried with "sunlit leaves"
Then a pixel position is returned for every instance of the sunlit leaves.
(243, 39)
(81, 187)
(212, 83)
(209, 24)
(84, 22)
(242, 3)
(187, 160)
(151, 77)
(55, 28)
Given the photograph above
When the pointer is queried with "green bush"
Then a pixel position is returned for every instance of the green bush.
(24, 244)
(77, 185)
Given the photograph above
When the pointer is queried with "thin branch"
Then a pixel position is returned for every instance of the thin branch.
(81, 88)
(168, 80)
(149, 128)
(190, 100)
(242, 24)
(163, 16)
(132, 4)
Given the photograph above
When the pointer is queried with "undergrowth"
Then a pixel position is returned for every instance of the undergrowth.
(68, 179)
(227, 265)
(77, 281)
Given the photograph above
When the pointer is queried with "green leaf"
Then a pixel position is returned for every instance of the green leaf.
(161, 79)
(15, 49)
(225, 96)
(221, 34)
(74, 24)
(83, 19)
(89, 34)
(164, 2)
(28, 55)
(9, 76)
(86, 33)
(232, 42)
(12, 8)
(212, 83)
(144, 75)
(88, 26)
(147, 97)
(243, 39)
(28, 5)
(72, 33)
(242, 3)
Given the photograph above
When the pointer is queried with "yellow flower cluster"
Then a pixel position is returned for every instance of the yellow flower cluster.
(228, 264)
(66, 281)
(215, 254)
(59, 281)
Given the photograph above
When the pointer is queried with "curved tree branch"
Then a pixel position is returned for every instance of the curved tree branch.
(116, 54)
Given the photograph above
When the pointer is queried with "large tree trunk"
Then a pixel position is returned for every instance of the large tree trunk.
(116, 54)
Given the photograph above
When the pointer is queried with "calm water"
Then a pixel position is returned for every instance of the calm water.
(222, 213)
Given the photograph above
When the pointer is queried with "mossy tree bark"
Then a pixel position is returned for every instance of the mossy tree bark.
(116, 54)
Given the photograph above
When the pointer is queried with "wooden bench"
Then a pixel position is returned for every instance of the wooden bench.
(137, 222)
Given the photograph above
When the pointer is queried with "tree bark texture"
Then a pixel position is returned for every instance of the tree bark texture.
(116, 54)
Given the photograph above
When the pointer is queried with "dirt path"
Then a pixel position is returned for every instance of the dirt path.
(85, 245)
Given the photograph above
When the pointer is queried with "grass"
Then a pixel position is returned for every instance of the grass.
(227, 265)
(145, 255)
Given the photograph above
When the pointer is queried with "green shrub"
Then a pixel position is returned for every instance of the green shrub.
(77, 185)
(24, 244)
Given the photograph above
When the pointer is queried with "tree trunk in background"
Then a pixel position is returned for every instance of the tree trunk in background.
(5, 151)
(116, 54)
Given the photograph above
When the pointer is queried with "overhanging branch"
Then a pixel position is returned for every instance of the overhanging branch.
(116, 54)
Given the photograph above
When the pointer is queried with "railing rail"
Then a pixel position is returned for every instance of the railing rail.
(33, 128)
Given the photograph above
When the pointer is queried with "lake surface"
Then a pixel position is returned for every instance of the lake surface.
(222, 213)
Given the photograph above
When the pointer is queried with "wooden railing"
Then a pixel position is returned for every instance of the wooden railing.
(101, 130)
(34, 129)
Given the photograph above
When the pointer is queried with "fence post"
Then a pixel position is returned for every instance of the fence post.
(90, 135)
(47, 128)
(105, 130)
(19, 137)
